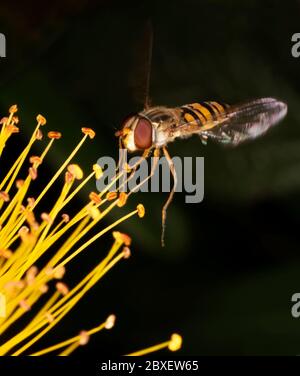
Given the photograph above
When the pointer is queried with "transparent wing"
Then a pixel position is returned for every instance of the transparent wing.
(246, 121)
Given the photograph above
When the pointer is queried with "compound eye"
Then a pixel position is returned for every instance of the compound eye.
(143, 134)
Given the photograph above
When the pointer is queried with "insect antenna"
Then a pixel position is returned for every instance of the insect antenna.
(139, 77)
(149, 30)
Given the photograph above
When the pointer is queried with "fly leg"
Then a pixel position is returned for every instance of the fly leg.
(169, 200)
(203, 139)
(133, 168)
(121, 157)
(156, 159)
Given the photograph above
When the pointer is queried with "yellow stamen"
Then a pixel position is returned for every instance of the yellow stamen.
(70, 341)
(26, 236)
(173, 344)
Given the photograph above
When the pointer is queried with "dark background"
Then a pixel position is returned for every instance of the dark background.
(231, 263)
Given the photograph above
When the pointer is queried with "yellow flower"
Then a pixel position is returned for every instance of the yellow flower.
(25, 240)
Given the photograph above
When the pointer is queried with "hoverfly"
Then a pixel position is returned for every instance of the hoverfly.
(155, 127)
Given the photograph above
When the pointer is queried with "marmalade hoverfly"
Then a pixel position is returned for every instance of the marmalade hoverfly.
(156, 126)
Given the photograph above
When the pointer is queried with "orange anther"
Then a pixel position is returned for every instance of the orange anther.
(33, 173)
(35, 159)
(41, 119)
(39, 134)
(126, 252)
(88, 131)
(141, 210)
(122, 199)
(13, 109)
(4, 196)
(93, 196)
(54, 134)
(111, 196)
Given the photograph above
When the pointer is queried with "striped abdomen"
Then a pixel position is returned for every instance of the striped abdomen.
(203, 114)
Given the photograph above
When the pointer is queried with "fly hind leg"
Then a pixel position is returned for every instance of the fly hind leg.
(171, 195)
